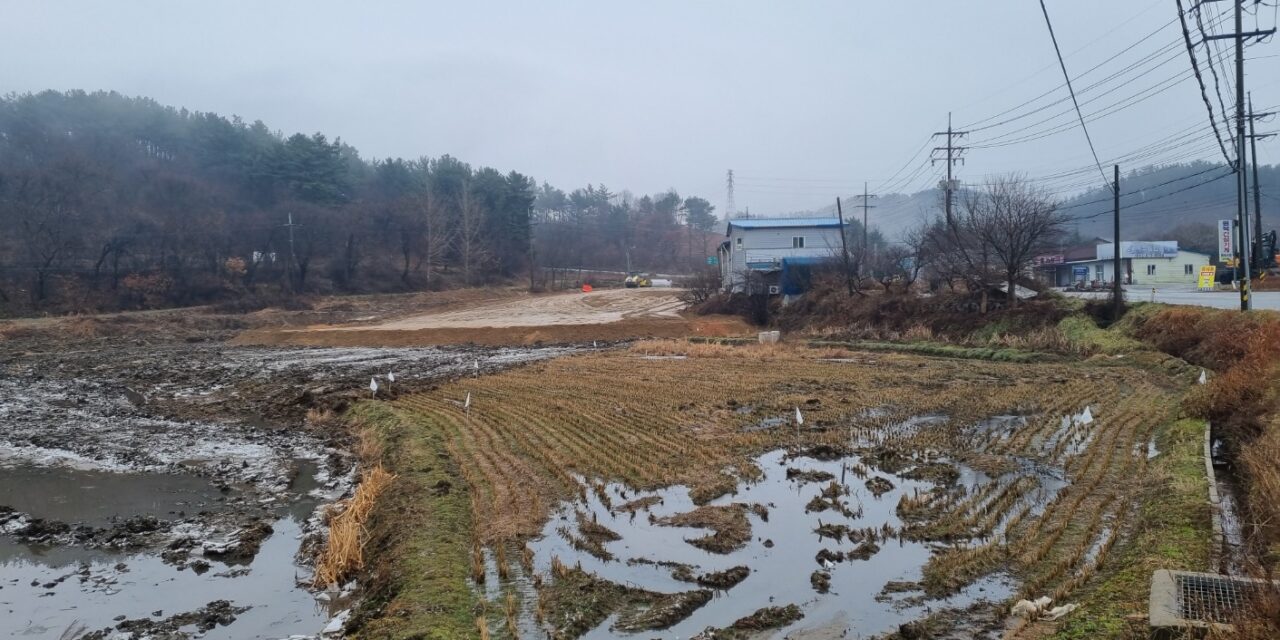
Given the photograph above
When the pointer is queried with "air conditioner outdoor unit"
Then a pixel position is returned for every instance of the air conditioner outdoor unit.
(774, 290)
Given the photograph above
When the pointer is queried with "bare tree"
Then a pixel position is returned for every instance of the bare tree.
(435, 234)
(1018, 222)
(470, 236)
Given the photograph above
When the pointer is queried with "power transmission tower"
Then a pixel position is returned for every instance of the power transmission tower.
(953, 156)
(1257, 191)
(1242, 177)
(866, 204)
(728, 200)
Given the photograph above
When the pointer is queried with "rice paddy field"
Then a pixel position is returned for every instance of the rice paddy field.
(692, 490)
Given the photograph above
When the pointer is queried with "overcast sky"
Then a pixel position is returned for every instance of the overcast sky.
(804, 100)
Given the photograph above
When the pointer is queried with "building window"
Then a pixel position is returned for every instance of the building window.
(1099, 270)
(739, 242)
(797, 242)
(1151, 269)
(1188, 269)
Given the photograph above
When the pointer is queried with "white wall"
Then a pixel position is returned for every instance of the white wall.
(1169, 270)
(761, 245)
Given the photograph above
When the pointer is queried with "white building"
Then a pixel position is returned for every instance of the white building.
(1142, 263)
(759, 246)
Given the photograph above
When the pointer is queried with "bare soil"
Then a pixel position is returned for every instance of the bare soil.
(607, 315)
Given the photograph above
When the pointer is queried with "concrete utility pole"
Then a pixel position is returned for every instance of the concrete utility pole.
(866, 204)
(953, 156)
(1242, 186)
(844, 247)
(1242, 179)
(1118, 299)
(293, 256)
(1263, 261)
(728, 200)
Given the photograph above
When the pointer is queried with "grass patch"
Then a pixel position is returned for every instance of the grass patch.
(420, 535)
(1172, 530)
(995, 354)
(1082, 331)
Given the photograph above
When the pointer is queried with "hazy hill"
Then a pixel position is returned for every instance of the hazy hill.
(1159, 202)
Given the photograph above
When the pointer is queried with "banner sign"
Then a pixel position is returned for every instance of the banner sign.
(1208, 277)
(1226, 240)
(1041, 261)
(1149, 249)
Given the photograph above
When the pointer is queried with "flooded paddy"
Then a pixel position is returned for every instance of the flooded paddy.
(846, 564)
(175, 581)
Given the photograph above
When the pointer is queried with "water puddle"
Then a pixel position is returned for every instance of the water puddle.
(46, 591)
(97, 498)
(784, 549)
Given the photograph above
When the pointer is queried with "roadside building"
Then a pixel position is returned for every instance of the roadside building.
(757, 251)
(1145, 262)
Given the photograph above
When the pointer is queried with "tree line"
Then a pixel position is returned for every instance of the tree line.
(114, 202)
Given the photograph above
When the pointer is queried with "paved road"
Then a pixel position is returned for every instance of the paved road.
(1217, 299)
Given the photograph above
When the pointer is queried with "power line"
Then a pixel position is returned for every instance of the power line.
(1204, 94)
(1066, 75)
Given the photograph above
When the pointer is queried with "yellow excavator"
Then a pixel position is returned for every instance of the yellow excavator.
(637, 280)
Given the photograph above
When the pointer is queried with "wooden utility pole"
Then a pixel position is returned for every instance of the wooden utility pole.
(1118, 297)
(844, 246)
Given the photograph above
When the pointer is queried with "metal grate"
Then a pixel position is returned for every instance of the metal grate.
(1210, 598)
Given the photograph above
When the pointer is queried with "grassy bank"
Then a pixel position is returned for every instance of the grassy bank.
(1242, 399)
(421, 534)
(1172, 530)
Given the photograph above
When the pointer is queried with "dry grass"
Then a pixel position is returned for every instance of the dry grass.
(1242, 400)
(343, 553)
(532, 432)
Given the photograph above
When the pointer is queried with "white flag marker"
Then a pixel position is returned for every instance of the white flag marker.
(799, 417)
(1203, 377)
(391, 376)
(373, 386)
(467, 403)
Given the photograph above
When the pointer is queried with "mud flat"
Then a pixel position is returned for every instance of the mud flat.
(173, 488)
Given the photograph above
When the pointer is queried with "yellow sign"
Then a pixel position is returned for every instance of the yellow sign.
(1208, 275)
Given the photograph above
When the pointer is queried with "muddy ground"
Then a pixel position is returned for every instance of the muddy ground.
(141, 452)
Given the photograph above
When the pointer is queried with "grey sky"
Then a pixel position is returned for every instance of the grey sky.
(804, 100)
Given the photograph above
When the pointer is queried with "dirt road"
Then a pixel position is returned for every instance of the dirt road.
(615, 314)
(598, 307)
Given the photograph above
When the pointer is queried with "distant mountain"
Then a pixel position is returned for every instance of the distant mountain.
(1158, 202)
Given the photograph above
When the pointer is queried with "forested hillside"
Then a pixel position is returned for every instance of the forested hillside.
(112, 202)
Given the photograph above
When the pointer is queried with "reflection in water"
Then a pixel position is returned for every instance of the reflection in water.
(782, 551)
(46, 590)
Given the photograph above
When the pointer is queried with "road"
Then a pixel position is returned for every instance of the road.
(1216, 299)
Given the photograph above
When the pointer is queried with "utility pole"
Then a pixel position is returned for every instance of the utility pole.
(293, 256)
(953, 156)
(844, 246)
(728, 200)
(1118, 299)
(1263, 261)
(1242, 180)
(866, 204)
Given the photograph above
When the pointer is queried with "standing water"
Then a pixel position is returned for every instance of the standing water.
(52, 590)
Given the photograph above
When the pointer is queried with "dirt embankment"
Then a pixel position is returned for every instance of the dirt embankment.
(619, 314)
